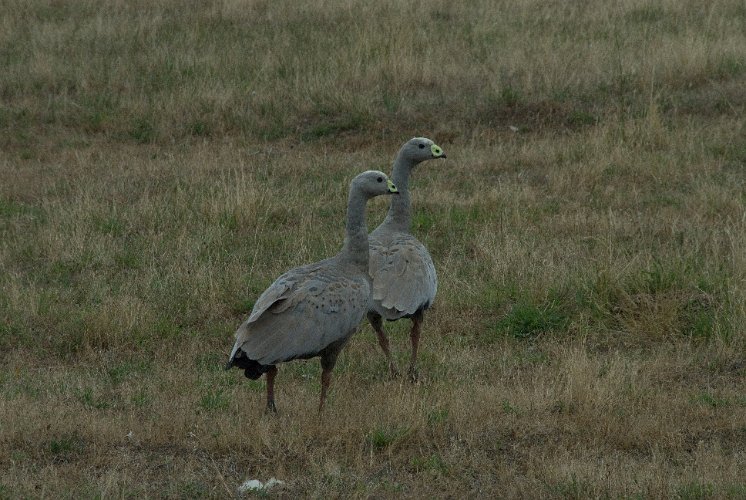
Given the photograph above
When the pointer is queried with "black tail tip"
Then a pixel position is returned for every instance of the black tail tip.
(255, 370)
(252, 369)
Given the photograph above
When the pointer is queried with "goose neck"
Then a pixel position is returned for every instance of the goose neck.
(355, 249)
(399, 215)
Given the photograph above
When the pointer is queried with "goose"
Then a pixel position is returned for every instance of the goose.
(313, 310)
(403, 273)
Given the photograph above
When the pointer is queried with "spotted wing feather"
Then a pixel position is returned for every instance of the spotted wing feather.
(317, 306)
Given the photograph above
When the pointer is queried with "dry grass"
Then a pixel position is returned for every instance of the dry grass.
(161, 165)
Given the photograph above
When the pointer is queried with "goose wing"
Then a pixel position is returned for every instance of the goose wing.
(404, 277)
(304, 311)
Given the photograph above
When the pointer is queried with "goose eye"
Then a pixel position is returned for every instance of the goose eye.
(380, 179)
(422, 146)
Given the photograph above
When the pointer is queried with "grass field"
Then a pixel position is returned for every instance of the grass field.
(161, 163)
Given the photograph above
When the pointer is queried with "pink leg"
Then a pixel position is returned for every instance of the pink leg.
(414, 337)
(328, 360)
(377, 324)
(271, 390)
(326, 378)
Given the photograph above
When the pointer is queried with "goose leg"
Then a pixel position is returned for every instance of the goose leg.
(271, 390)
(326, 378)
(414, 337)
(328, 360)
(377, 323)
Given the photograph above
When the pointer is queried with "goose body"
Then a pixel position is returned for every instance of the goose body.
(405, 280)
(304, 311)
(402, 270)
(313, 310)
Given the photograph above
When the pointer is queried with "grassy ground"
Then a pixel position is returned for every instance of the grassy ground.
(162, 163)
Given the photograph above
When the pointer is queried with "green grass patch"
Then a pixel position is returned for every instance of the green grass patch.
(110, 226)
(242, 306)
(129, 370)
(215, 400)
(579, 118)
(423, 221)
(141, 399)
(228, 221)
(66, 446)
(10, 209)
(92, 400)
(463, 216)
(648, 14)
(696, 490)
(383, 438)
(211, 362)
(13, 333)
(573, 487)
(143, 130)
(437, 416)
(709, 399)
(687, 300)
(200, 128)
(510, 96)
(432, 463)
(508, 407)
(166, 328)
(730, 66)
(128, 259)
(332, 126)
(193, 489)
(526, 320)
(64, 273)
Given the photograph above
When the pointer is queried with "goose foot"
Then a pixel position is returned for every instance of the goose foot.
(414, 375)
(271, 408)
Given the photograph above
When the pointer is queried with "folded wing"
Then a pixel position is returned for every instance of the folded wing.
(301, 313)
(404, 278)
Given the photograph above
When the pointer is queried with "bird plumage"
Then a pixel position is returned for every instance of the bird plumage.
(312, 310)
(403, 273)
(404, 278)
(302, 312)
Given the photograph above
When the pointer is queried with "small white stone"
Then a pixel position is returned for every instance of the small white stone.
(251, 484)
(256, 485)
(273, 482)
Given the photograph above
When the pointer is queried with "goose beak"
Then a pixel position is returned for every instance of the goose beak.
(437, 151)
(392, 188)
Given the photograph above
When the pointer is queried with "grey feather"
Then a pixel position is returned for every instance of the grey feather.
(403, 273)
(312, 310)
(316, 305)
